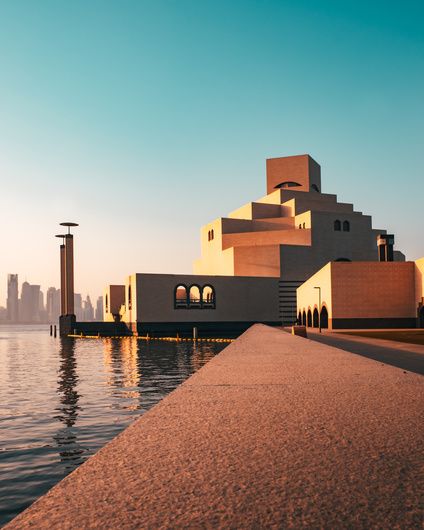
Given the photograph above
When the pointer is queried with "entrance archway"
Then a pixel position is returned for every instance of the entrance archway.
(304, 318)
(309, 321)
(316, 318)
(324, 317)
(421, 317)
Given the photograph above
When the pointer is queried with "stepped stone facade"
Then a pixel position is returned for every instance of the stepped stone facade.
(291, 232)
(288, 234)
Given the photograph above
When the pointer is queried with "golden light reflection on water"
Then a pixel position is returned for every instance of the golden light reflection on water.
(129, 350)
(63, 399)
(122, 370)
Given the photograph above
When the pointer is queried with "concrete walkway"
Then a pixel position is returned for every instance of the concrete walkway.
(401, 354)
(275, 432)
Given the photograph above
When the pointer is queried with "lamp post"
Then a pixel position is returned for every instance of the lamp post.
(319, 308)
(67, 318)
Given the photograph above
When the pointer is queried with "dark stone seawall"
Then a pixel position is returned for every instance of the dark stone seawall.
(166, 329)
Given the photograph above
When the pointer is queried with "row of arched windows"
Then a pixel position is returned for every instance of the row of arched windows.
(311, 319)
(302, 225)
(211, 235)
(194, 297)
(338, 226)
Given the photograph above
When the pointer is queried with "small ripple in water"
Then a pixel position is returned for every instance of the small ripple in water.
(63, 399)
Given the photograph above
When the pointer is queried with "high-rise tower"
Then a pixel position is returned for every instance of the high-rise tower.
(12, 298)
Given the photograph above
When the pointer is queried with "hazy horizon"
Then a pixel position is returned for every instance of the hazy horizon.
(143, 121)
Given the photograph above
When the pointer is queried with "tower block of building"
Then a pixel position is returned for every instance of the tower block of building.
(290, 233)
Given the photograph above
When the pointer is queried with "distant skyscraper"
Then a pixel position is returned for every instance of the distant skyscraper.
(79, 313)
(99, 309)
(53, 304)
(12, 298)
(88, 310)
(29, 308)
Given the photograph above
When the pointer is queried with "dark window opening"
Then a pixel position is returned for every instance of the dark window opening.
(129, 298)
(107, 304)
(287, 184)
(346, 226)
(337, 225)
(304, 225)
(194, 298)
(304, 318)
(180, 299)
(316, 318)
(421, 317)
(309, 320)
(208, 296)
(342, 259)
(324, 317)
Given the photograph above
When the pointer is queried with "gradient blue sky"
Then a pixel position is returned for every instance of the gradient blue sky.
(143, 120)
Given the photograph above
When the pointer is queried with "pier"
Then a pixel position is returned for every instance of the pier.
(276, 431)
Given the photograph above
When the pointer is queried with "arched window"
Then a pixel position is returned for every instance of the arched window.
(209, 235)
(316, 318)
(194, 296)
(304, 318)
(288, 184)
(346, 226)
(315, 187)
(304, 225)
(300, 225)
(212, 234)
(337, 225)
(129, 298)
(324, 317)
(208, 296)
(107, 304)
(421, 317)
(180, 298)
(309, 320)
(299, 318)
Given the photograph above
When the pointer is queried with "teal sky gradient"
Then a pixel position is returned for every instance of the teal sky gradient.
(143, 120)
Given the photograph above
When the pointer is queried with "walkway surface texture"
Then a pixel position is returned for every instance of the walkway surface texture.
(401, 354)
(276, 431)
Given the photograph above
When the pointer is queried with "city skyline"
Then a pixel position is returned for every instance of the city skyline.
(27, 303)
(108, 111)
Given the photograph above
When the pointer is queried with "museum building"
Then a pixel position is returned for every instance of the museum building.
(253, 261)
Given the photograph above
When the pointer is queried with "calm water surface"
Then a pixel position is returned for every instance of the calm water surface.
(63, 399)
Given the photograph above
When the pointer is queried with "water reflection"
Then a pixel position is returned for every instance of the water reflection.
(70, 451)
(63, 399)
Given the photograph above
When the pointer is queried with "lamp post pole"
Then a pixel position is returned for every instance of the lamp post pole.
(319, 307)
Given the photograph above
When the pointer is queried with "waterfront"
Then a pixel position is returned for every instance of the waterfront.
(63, 399)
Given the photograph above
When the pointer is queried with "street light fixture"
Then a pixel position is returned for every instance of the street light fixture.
(319, 308)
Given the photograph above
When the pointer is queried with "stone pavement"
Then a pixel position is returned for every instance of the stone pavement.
(401, 354)
(277, 431)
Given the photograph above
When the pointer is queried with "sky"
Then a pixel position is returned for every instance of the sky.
(142, 120)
